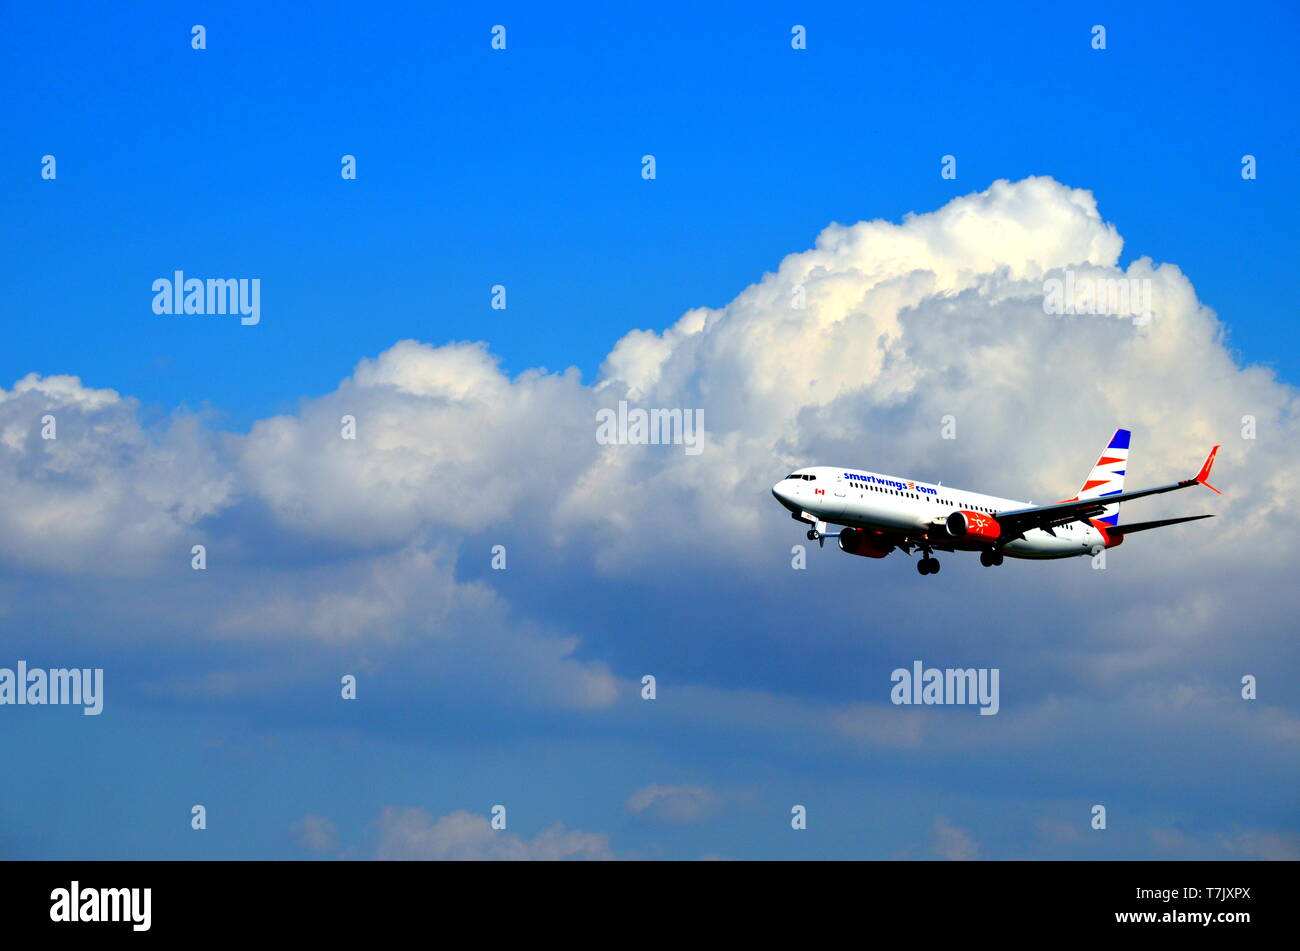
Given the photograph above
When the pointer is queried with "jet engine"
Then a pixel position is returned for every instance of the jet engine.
(857, 541)
(975, 526)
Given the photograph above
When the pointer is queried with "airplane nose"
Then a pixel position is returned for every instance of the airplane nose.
(781, 492)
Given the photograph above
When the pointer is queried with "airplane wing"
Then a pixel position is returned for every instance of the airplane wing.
(1016, 522)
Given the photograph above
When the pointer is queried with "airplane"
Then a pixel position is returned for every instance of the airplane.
(879, 513)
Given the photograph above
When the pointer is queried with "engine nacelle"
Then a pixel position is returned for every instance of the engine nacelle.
(975, 526)
(857, 541)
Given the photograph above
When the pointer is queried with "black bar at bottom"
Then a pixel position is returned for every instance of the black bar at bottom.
(335, 900)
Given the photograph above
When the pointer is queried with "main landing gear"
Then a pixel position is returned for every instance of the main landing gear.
(990, 559)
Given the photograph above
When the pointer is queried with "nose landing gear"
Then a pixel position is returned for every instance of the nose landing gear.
(929, 565)
(819, 534)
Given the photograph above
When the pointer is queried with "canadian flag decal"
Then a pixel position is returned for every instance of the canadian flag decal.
(819, 491)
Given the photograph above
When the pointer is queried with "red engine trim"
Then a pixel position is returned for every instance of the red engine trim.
(974, 525)
(858, 541)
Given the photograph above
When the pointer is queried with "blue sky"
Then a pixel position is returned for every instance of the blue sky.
(522, 167)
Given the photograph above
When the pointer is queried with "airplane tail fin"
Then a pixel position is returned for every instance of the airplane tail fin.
(1107, 476)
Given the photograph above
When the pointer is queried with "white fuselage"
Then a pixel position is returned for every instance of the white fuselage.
(863, 499)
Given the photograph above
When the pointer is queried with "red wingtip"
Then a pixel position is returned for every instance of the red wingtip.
(1205, 471)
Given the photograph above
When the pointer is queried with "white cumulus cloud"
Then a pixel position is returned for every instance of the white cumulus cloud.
(409, 833)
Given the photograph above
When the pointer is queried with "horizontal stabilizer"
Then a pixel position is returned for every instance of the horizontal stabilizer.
(1159, 523)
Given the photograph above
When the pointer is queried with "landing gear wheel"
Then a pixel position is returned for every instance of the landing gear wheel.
(928, 566)
(997, 558)
(990, 559)
(812, 534)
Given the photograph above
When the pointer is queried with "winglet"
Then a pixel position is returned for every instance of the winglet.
(1205, 471)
